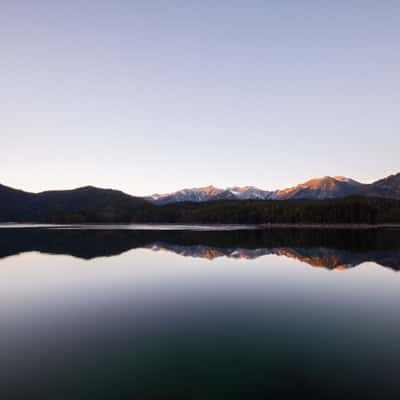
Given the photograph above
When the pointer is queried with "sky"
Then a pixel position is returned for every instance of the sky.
(154, 96)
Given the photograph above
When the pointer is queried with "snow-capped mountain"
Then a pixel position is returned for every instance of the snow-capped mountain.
(327, 187)
(246, 193)
(195, 194)
(210, 193)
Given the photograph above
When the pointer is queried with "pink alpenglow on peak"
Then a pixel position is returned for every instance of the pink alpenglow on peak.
(327, 187)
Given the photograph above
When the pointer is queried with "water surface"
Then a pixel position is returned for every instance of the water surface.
(150, 314)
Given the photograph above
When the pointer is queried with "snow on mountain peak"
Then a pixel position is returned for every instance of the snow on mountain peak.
(327, 187)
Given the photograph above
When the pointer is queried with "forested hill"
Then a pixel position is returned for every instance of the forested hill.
(350, 210)
(91, 205)
(85, 204)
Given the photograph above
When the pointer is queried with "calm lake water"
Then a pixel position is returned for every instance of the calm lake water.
(239, 314)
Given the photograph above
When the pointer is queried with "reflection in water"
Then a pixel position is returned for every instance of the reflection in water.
(331, 249)
(148, 325)
(321, 257)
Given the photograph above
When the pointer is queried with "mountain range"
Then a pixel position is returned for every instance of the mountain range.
(327, 187)
(320, 201)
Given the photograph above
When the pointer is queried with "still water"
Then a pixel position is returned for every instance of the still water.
(180, 314)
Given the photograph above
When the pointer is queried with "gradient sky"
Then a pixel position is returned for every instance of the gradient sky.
(153, 96)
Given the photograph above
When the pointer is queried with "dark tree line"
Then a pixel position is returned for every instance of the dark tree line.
(352, 210)
(355, 210)
(90, 204)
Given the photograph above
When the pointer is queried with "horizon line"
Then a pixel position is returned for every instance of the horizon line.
(193, 187)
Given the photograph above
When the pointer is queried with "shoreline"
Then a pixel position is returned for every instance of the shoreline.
(332, 226)
(192, 226)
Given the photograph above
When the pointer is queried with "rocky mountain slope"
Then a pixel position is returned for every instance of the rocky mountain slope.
(315, 189)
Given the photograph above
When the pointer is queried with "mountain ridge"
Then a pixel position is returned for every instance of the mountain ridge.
(327, 187)
(87, 202)
(327, 200)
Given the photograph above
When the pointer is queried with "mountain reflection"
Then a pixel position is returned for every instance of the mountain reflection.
(325, 248)
(321, 257)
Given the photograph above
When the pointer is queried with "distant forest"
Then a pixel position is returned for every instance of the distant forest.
(95, 205)
(351, 210)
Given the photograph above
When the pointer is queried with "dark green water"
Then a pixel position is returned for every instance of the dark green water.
(128, 314)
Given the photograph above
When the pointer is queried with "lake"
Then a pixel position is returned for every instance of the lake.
(150, 312)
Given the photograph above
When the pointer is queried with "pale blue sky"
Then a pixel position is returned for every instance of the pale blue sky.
(153, 96)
